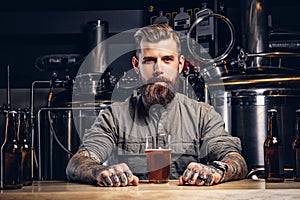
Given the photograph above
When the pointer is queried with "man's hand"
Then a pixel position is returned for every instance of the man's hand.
(86, 167)
(199, 174)
(117, 175)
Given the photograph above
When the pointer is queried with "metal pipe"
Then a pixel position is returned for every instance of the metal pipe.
(80, 124)
(39, 148)
(97, 33)
(190, 40)
(51, 148)
(186, 85)
(206, 93)
(32, 119)
(252, 81)
(69, 132)
(276, 54)
(255, 29)
(32, 103)
(39, 128)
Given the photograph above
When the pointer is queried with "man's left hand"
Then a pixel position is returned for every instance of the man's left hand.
(200, 174)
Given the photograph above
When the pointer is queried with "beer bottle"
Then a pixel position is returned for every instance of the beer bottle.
(23, 136)
(296, 147)
(11, 171)
(273, 165)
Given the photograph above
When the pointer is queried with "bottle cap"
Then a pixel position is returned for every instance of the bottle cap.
(272, 110)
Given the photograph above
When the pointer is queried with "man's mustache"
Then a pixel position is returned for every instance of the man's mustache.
(157, 74)
(158, 79)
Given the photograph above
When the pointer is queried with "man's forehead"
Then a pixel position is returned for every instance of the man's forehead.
(168, 46)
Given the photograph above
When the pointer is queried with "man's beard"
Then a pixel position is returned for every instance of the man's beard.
(154, 93)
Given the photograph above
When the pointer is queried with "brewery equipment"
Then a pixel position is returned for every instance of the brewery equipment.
(255, 29)
(242, 91)
(205, 32)
(161, 19)
(73, 102)
(182, 22)
(97, 32)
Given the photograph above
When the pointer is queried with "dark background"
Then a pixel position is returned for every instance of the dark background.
(35, 28)
(30, 29)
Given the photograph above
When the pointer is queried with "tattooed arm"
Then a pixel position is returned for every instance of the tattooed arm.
(237, 167)
(85, 167)
(200, 174)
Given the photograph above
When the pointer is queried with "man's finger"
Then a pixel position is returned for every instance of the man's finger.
(131, 178)
(209, 179)
(193, 178)
(135, 181)
(115, 179)
(129, 175)
(123, 179)
(200, 179)
(181, 181)
(187, 174)
(107, 181)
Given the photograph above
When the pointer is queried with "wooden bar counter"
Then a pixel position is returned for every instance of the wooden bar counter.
(244, 189)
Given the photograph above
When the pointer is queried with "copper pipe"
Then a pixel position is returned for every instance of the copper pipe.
(264, 80)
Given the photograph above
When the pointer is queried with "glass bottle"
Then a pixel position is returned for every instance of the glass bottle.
(23, 136)
(296, 147)
(161, 19)
(272, 159)
(11, 170)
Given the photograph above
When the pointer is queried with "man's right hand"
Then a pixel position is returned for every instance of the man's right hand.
(86, 167)
(117, 175)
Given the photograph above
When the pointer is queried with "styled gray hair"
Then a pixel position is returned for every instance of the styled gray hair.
(155, 33)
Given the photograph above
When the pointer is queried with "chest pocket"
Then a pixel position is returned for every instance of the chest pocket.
(131, 148)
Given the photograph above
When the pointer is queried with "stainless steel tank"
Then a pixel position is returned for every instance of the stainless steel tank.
(221, 100)
(249, 121)
(97, 33)
(254, 25)
(244, 108)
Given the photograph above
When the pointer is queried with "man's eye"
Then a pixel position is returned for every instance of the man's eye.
(149, 61)
(168, 59)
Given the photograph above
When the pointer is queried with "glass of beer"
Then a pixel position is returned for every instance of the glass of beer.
(158, 156)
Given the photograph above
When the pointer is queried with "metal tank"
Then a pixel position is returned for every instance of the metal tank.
(244, 107)
(248, 94)
(254, 25)
(249, 121)
(97, 32)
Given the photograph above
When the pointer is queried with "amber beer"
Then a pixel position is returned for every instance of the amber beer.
(23, 136)
(272, 157)
(11, 155)
(158, 162)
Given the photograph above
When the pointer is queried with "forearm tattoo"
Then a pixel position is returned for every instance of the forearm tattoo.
(84, 167)
(237, 167)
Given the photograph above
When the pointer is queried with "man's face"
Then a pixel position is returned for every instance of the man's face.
(159, 66)
(158, 60)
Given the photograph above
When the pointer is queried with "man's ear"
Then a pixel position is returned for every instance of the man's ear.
(181, 63)
(135, 64)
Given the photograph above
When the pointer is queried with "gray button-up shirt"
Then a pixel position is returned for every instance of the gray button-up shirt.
(197, 133)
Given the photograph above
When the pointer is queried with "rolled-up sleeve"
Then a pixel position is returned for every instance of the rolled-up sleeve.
(216, 142)
(101, 137)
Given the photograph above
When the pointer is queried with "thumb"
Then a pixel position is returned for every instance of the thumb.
(181, 181)
(135, 181)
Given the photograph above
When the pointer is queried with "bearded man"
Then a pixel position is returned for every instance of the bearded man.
(203, 153)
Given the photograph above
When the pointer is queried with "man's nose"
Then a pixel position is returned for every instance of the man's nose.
(157, 68)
